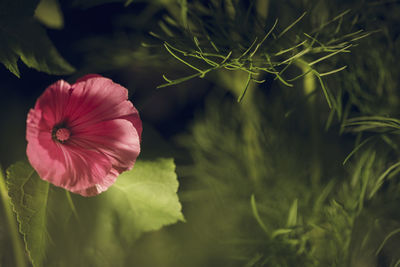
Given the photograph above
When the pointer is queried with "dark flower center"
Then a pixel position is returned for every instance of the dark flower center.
(61, 134)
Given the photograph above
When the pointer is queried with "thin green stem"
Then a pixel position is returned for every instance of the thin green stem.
(257, 215)
(395, 232)
(72, 205)
(292, 25)
(329, 55)
(265, 37)
(167, 46)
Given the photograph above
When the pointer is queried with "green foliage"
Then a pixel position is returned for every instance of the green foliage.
(49, 13)
(286, 177)
(375, 123)
(146, 198)
(11, 10)
(21, 37)
(382, 127)
(17, 244)
(93, 3)
(236, 37)
(234, 159)
(370, 83)
(306, 214)
(141, 200)
(29, 197)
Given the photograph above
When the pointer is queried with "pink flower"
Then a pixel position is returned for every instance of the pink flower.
(82, 136)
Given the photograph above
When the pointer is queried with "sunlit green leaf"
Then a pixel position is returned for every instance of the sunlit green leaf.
(49, 13)
(144, 199)
(29, 196)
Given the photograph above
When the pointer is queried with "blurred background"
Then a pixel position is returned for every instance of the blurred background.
(262, 181)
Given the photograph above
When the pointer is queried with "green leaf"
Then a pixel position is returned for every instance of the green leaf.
(49, 13)
(144, 199)
(128, 2)
(21, 37)
(141, 200)
(8, 57)
(93, 3)
(13, 9)
(17, 245)
(29, 196)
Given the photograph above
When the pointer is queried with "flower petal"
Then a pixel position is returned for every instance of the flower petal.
(96, 99)
(84, 168)
(101, 187)
(64, 165)
(117, 139)
(105, 130)
(88, 76)
(53, 101)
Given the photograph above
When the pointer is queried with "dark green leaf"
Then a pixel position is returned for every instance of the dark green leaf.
(92, 3)
(8, 57)
(16, 9)
(21, 37)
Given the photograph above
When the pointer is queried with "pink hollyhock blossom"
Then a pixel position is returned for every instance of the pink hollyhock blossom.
(82, 136)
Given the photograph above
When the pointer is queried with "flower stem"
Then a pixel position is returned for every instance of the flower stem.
(71, 203)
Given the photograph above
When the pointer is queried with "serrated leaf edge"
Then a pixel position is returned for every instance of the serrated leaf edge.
(8, 173)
